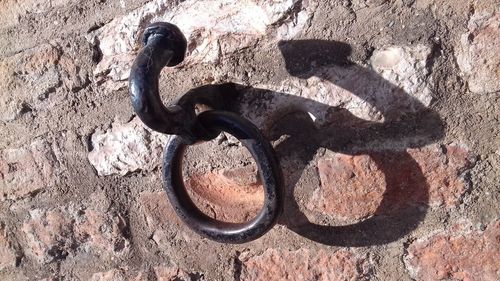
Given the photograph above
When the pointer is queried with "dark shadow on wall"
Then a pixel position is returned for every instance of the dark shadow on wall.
(407, 124)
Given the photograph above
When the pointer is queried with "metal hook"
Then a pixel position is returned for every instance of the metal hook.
(165, 45)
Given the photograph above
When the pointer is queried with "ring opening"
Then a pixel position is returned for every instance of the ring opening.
(269, 171)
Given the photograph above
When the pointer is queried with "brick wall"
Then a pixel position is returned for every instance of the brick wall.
(383, 114)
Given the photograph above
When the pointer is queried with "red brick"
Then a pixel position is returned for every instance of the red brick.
(53, 234)
(305, 264)
(49, 235)
(9, 252)
(103, 231)
(457, 255)
(234, 195)
(353, 187)
(28, 77)
(27, 170)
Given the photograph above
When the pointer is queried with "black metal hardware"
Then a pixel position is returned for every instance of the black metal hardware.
(165, 45)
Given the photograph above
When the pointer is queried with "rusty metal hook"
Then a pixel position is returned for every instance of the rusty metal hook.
(165, 45)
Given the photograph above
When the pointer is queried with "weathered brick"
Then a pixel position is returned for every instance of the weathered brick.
(29, 169)
(103, 231)
(55, 233)
(49, 279)
(457, 254)
(31, 75)
(156, 209)
(477, 54)
(10, 253)
(159, 217)
(352, 187)
(305, 264)
(72, 75)
(49, 235)
(28, 77)
(233, 195)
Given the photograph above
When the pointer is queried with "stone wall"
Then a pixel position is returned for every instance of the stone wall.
(384, 116)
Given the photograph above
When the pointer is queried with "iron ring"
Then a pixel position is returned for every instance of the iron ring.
(269, 171)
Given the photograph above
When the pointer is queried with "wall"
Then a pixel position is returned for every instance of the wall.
(383, 114)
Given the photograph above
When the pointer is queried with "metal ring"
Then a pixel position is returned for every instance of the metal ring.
(269, 170)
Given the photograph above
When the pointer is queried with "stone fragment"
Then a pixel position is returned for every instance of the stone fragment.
(457, 254)
(9, 252)
(353, 187)
(405, 67)
(477, 54)
(396, 85)
(213, 29)
(55, 233)
(27, 77)
(126, 148)
(28, 170)
(305, 264)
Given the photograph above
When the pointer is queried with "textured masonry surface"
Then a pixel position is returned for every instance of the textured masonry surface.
(384, 116)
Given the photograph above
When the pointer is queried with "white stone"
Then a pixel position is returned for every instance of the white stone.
(213, 29)
(396, 84)
(478, 53)
(126, 148)
(405, 67)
